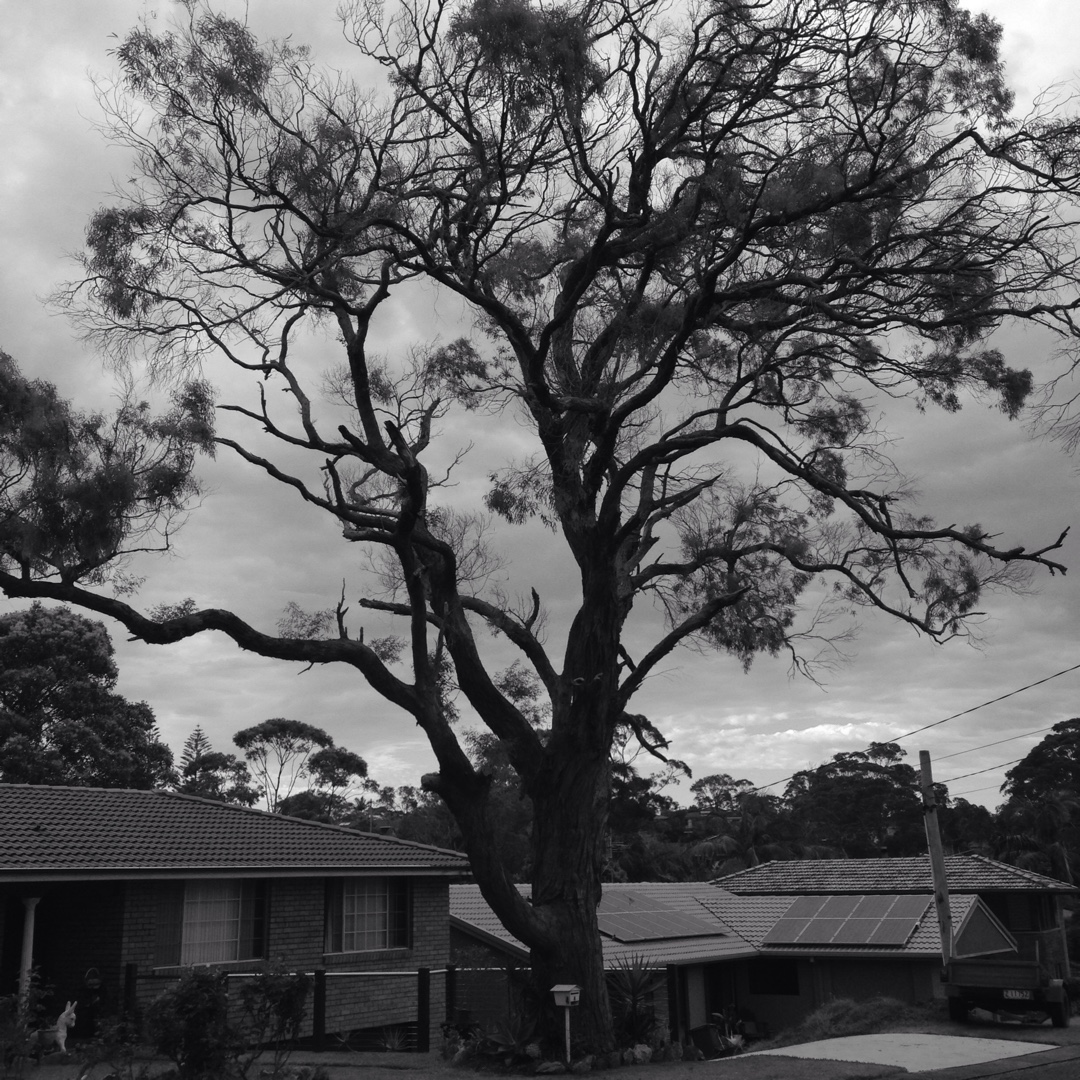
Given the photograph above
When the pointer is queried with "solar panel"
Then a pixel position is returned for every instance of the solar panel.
(856, 932)
(623, 900)
(893, 931)
(887, 920)
(627, 915)
(909, 907)
(873, 907)
(786, 931)
(820, 931)
(838, 907)
(805, 907)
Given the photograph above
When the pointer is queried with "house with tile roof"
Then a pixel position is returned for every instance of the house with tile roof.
(665, 926)
(1028, 905)
(113, 894)
(769, 957)
(812, 948)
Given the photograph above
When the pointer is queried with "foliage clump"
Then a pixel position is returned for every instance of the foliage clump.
(210, 1037)
(61, 720)
(534, 55)
(843, 1016)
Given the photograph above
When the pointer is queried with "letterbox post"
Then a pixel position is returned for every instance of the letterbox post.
(567, 995)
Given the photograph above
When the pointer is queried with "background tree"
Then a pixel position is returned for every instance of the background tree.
(212, 774)
(965, 827)
(1038, 826)
(719, 793)
(738, 826)
(330, 771)
(61, 721)
(278, 751)
(1039, 835)
(1050, 769)
(698, 249)
(865, 803)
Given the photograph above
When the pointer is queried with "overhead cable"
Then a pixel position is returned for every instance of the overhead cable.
(956, 716)
(992, 701)
(972, 791)
(979, 772)
(1011, 738)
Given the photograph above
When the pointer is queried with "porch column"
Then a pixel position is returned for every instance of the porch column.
(26, 963)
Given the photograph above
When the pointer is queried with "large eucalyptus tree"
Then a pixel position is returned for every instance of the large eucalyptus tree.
(700, 245)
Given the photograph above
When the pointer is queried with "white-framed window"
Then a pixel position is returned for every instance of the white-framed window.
(211, 927)
(211, 922)
(366, 914)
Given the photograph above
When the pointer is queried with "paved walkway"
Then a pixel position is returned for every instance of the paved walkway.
(914, 1052)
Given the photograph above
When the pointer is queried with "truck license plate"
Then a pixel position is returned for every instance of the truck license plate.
(1018, 995)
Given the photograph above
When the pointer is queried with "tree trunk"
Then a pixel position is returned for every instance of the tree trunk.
(568, 832)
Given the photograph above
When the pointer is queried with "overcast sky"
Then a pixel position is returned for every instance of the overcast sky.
(250, 549)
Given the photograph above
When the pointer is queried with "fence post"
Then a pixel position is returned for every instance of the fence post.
(423, 1010)
(451, 993)
(318, 1011)
(131, 998)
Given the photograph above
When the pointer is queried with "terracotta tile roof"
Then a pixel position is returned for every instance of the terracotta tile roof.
(94, 832)
(470, 912)
(742, 923)
(965, 873)
(752, 917)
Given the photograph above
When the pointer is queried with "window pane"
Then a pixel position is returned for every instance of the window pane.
(252, 920)
(211, 931)
(374, 914)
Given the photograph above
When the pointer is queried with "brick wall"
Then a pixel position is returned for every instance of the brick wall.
(296, 941)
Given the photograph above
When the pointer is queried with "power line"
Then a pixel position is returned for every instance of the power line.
(956, 716)
(972, 791)
(979, 772)
(1011, 738)
(992, 701)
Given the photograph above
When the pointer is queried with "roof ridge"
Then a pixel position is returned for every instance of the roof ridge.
(816, 874)
(1023, 871)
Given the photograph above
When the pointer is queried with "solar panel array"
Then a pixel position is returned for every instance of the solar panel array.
(629, 916)
(878, 920)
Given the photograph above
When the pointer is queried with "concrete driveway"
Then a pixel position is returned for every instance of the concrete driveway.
(911, 1051)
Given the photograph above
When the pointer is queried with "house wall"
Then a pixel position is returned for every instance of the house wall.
(778, 1010)
(908, 981)
(77, 944)
(823, 979)
(357, 997)
(697, 1006)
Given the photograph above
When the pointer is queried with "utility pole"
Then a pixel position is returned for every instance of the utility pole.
(937, 858)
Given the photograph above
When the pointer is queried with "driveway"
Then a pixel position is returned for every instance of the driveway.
(912, 1051)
